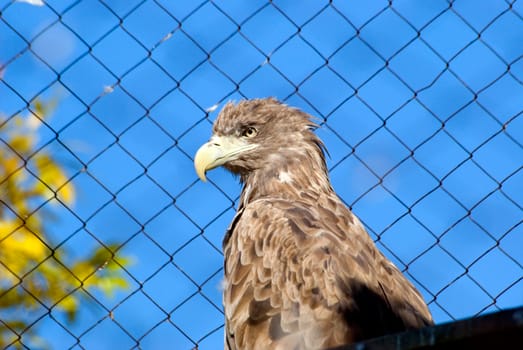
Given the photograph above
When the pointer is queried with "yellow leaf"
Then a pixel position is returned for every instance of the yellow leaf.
(20, 248)
(67, 193)
(53, 180)
(7, 227)
(110, 284)
(44, 109)
(82, 270)
(34, 248)
(27, 245)
(10, 164)
(70, 305)
(40, 107)
(22, 144)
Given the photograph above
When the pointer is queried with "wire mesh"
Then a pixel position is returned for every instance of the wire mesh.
(421, 107)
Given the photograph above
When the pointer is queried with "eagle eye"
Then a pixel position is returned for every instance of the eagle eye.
(249, 132)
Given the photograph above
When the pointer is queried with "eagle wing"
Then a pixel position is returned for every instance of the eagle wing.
(306, 275)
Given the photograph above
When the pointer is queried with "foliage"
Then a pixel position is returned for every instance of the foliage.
(37, 275)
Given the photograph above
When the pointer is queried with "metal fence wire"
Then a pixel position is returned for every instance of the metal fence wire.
(107, 238)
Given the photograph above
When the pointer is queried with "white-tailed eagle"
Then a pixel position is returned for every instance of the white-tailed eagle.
(301, 272)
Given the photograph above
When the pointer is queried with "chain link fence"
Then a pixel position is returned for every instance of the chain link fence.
(107, 238)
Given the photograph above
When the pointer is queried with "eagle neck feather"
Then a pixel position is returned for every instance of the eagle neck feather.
(288, 174)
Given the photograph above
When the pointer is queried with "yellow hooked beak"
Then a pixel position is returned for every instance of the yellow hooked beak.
(218, 151)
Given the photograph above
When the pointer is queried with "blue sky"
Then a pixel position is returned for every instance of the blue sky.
(420, 104)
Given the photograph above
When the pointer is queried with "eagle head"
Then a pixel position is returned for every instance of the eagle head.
(258, 134)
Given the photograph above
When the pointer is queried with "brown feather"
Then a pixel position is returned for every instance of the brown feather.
(301, 271)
